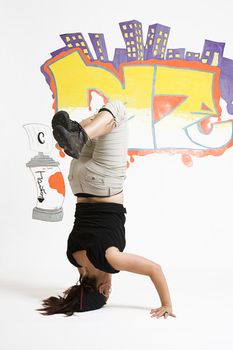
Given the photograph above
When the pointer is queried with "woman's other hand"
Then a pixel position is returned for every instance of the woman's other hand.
(164, 311)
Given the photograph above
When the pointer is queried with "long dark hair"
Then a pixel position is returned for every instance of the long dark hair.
(78, 298)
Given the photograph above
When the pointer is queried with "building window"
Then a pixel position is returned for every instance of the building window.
(189, 54)
(129, 54)
(134, 49)
(131, 26)
(155, 52)
(67, 39)
(169, 50)
(73, 37)
(97, 43)
(196, 54)
(177, 55)
(77, 44)
(207, 53)
(97, 36)
(152, 30)
(160, 33)
(131, 35)
(80, 36)
(170, 56)
(70, 45)
(82, 43)
(100, 50)
(132, 42)
(101, 57)
(129, 49)
(85, 51)
(163, 49)
(128, 43)
(162, 55)
(134, 54)
(158, 40)
(204, 60)
(164, 42)
(150, 42)
(126, 35)
(124, 27)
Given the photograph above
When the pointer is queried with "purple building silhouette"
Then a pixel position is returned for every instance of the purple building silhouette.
(77, 40)
(120, 56)
(212, 53)
(133, 37)
(99, 46)
(175, 54)
(226, 83)
(192, 56)
(156, 41)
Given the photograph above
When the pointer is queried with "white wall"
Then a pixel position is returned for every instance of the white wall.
(179, 216)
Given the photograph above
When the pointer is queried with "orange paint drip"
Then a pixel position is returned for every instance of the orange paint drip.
(187, 160)
(56, 182)
(185, 152)
(131, 159)
(61, 152)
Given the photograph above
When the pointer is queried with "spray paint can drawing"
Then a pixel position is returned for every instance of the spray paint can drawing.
(47, 175)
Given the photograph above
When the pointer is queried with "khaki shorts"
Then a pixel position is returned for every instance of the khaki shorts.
(101, 168)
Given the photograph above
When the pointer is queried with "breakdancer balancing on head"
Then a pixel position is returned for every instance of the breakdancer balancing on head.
(98, 146)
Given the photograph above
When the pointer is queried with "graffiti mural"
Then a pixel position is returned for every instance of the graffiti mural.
(46, 173)
(173, 96)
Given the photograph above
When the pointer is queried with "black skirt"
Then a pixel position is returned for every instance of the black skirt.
(97, 227)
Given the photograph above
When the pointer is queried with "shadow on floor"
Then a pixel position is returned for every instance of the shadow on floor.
(29, 290)
(122, 306)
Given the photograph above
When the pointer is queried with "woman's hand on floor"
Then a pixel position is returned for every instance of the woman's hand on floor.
(164, 311)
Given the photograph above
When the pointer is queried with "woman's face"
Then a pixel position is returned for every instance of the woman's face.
(104, 287)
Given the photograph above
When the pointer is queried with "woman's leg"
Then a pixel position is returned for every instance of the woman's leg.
(72, 136)
(104, 173)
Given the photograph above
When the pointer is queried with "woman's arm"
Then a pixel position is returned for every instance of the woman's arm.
(140, 265)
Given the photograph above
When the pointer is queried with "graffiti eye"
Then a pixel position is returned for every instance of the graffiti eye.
(219, 134)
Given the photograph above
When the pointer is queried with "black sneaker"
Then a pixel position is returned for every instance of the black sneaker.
(72, 142)
(62, 118)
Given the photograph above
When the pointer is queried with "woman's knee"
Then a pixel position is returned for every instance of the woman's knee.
(117, 108)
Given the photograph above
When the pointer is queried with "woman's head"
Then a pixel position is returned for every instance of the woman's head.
(78, 298)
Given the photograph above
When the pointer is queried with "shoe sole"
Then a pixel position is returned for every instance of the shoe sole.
(61, 135)
(61, 118)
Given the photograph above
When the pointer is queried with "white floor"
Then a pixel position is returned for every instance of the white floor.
(203, 322)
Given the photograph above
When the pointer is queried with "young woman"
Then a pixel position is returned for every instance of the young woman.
(95, 246)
